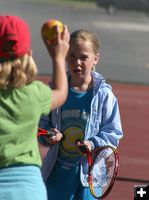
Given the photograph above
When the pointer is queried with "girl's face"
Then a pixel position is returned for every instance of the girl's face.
(81, 59)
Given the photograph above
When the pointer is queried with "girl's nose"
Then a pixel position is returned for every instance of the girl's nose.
(78, 61)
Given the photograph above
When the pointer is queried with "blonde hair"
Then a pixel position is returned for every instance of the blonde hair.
(18, 72)
(87, 36)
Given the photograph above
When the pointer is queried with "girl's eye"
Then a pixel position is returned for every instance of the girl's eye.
(72, 57)
(84, 58)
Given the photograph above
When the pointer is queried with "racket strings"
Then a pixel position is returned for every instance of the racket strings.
(102, 172)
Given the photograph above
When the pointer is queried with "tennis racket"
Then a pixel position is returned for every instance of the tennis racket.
(103, 164)
(48, 133)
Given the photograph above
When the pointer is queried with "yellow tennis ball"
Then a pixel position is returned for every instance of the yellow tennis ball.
(48, 31)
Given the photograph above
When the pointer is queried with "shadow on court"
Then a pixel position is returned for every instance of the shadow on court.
(133, 148)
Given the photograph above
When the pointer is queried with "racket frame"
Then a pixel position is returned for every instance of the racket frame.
(91, 163)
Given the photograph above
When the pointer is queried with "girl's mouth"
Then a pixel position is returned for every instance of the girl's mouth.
(77, 70)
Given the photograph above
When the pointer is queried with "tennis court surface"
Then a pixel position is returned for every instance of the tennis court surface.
(133, 148)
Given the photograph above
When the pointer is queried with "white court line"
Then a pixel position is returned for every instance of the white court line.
(123, 26)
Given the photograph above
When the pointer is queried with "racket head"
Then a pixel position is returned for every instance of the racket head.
(103, 171)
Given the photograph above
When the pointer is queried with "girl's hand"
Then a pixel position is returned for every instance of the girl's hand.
(59, 48)
(88, 145)
(54, 139)
(83, 146)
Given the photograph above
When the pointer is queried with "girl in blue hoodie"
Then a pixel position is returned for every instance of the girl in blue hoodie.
(90, 114)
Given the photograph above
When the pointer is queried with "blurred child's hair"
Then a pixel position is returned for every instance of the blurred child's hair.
(18, 72)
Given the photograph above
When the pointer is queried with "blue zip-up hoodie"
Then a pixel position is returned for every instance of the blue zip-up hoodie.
(104, 127)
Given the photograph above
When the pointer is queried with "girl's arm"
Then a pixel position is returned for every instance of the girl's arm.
(58, 51)
(110, 128)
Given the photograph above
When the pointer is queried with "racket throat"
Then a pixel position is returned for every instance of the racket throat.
(89, 159)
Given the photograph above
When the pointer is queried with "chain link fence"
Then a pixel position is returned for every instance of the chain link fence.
(113, 6)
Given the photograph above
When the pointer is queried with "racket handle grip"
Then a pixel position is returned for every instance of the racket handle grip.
(82, 147)
(47, 133)
(50, 133)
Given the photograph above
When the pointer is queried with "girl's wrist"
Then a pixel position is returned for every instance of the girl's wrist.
(92, 144)
(58, 61)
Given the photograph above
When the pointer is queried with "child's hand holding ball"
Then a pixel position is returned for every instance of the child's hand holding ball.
(48, 29)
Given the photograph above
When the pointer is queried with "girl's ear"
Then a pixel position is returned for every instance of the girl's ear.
(97, 58)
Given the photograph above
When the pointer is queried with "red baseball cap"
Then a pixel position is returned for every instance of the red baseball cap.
(14, 37)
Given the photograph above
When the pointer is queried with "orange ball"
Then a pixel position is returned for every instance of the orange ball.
(48, 31)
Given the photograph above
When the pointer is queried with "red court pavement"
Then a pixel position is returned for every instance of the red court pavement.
(133, 148)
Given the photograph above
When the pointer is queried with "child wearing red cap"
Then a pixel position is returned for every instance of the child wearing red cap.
(23, 100)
